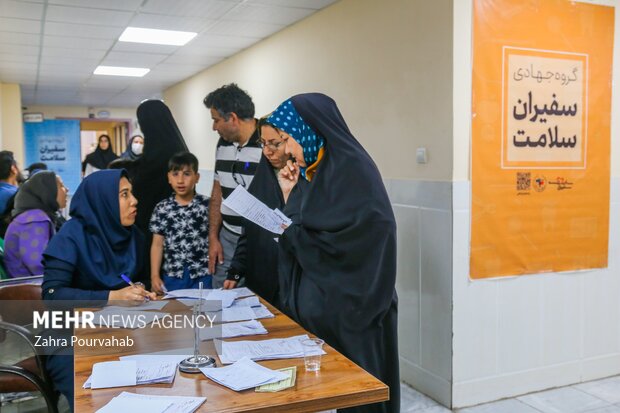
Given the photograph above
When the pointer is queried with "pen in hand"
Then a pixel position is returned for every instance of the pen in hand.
(136, 285)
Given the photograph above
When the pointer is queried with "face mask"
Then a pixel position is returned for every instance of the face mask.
(137, 148)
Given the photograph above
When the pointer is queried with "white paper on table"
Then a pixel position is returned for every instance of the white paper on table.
(244, 374)
(123, 318)
(252, 301)
(158, 358)
(225, 296)
(125, 404)
(145, 306)
(113, 374)
(230, 330)
(155, 372)
(177, 404)
(249, 207)
(262, 312)
(243, 292)
(276, 348)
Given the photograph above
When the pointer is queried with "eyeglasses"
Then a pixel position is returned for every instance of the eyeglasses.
(238, 177)
(273, 146)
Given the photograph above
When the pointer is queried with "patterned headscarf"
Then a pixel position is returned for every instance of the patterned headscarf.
(286, 118)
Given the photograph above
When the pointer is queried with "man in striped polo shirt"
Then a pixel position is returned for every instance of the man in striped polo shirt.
(236, 158)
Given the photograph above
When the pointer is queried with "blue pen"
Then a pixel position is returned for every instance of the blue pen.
(128, 281)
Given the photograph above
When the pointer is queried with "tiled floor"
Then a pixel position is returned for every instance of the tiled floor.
(600, 396)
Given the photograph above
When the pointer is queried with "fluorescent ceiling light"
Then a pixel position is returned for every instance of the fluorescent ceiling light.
(121, 71)
(155, 36)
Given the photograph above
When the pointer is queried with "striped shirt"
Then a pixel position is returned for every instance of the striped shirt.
(235, 165)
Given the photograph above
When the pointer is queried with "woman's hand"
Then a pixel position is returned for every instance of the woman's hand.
(135, 295)
(229, 284)
(287, 178)
(157, 285)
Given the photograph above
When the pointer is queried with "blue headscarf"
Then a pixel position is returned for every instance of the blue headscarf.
(286, 118)
(94, 241)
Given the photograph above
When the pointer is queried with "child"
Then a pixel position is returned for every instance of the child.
(180, 227)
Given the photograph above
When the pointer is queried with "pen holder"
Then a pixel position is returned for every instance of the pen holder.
(194, 363)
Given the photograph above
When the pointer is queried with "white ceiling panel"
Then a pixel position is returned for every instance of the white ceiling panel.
(20, 10)
(20, 25)
(159, 21)
(21, 58)
(26, 39)
(210, 9)
(127, 5)
(19, 49)
(60, 52)
(77, 43)
(88, 31)
(129, 47)
(268, 14)
(87, 16)
(245, 29)
(125, 59)
(308, 4)
(54, 45)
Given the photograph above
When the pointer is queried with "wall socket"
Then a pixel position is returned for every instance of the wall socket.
(420, 155)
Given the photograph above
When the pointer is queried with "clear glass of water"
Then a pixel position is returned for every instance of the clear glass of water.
(312, 353)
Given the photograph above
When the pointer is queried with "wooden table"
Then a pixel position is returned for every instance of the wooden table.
(340, 383)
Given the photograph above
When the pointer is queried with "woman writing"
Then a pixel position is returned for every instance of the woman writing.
(35, 221)
(85, 259)
(337, 261)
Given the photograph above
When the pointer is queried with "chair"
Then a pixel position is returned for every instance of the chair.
(28, 374)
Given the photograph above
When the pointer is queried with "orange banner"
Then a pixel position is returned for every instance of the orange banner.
(540, 136)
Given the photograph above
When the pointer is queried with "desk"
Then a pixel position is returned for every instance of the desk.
(340, 383)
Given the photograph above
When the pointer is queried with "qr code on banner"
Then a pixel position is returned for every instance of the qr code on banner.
(524, 181)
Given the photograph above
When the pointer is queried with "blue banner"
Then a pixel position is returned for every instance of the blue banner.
(57, 144)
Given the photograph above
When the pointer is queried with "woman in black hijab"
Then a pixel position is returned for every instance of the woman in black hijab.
(162, 139)
(100, 158)
(337, 261)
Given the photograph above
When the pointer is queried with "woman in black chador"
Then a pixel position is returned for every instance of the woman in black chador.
(337, 263)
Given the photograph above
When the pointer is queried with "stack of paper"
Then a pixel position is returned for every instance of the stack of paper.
(130, 373)
(243, 292)
(130, 402)
(232, 314)
(244, 374)
(252, 301)
(277, 348)
(121, 317)
(230, 330)
(225, 296)
(145, 306)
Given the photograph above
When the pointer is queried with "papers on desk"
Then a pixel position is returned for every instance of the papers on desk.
(159, 358)
(131, 402)
(232, 314)
(145, 306)
(287, 383)
(244, 374)
(225, 296)
(243, 292)
(277, 348)
(121, 317)
(130, 373)
(246, 302)
(230, 330)
(249, 207)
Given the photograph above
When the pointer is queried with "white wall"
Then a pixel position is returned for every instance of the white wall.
(388, 64)
(11, 124)
(518, 335)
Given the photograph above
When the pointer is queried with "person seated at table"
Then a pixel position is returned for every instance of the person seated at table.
(337, 261)
(180, 227)
(35, 220)
(85, 259)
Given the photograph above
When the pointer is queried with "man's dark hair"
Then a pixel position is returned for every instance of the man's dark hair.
(228, 99)
(182, 159)
(6, 162)
(37, 166)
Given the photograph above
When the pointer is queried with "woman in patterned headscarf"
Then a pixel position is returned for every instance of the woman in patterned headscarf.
(337, 263)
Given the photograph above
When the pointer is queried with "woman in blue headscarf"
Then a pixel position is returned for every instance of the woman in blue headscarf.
(85, 259)
(337, 262)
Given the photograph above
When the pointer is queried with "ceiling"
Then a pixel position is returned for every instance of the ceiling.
(51, 47)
